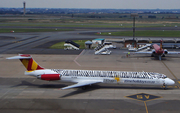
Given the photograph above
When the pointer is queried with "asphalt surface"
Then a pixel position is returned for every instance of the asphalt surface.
(98, 28)
(39, 43)
(20, 93)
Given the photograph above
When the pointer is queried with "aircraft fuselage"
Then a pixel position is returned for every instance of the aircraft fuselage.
(108, 77)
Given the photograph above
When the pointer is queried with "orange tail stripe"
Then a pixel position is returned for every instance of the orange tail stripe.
(25, 63)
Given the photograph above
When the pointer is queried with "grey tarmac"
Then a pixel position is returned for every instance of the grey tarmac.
(20, 93)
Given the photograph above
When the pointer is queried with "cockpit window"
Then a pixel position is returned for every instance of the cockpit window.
(164, 77)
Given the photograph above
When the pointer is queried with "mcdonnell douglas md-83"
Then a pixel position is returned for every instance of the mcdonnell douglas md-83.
(83, 78)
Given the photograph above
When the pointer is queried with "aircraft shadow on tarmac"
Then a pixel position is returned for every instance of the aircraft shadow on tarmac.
(93, 86)
(78, 91)
(96, 87)
(32, 85)
(152, 58)
(166, 58)
(88, 88)
(156, 58)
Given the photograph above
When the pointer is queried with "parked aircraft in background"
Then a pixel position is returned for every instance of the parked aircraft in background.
(157, 51)
(82, 78)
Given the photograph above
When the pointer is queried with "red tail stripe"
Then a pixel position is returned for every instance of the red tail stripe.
(25, 55)
(30, 64)
(39, 67)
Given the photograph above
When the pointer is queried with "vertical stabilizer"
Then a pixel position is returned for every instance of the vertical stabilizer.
(28, 62)
(161, 45)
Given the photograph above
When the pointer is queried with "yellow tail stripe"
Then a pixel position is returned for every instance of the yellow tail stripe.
(25, 63)
(34, 65)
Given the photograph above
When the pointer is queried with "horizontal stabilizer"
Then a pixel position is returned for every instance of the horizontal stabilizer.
(27, 61)
(20, 57)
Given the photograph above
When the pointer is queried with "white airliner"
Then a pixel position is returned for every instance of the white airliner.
(83, 78)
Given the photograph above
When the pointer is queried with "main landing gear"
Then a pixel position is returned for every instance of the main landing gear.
(84, 87)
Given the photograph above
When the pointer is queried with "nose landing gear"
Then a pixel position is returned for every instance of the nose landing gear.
(164, 86)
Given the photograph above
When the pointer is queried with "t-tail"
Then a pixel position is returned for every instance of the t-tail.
(28, 62)
(34, 69)
(161, 45)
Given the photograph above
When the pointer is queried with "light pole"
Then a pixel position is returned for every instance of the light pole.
(24, 5)
(134, 15)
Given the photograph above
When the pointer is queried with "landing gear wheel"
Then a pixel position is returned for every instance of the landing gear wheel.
(84, 87)
(164, 86)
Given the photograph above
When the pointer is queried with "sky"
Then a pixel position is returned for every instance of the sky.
(93, 4)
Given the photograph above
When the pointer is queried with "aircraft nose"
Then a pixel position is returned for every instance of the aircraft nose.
(169, 82)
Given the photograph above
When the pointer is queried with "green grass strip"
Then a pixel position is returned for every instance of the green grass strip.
(94, 24)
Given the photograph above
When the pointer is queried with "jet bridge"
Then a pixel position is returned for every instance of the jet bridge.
(71, 45)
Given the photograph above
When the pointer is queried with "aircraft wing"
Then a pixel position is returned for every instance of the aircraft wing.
(173, 52)
(143, 52)
(83, 83)
(140, 52)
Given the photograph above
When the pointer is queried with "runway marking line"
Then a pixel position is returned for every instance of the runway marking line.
(175, 87)
(179, 82)
(77, 58)
(143, 97)
(146, 107)
(171, 73)
(169, 70)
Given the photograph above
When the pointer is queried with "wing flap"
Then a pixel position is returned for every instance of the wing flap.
(84, 83)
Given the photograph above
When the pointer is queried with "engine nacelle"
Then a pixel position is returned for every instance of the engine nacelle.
(153, 52)
(49, 77)
(165, 51)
